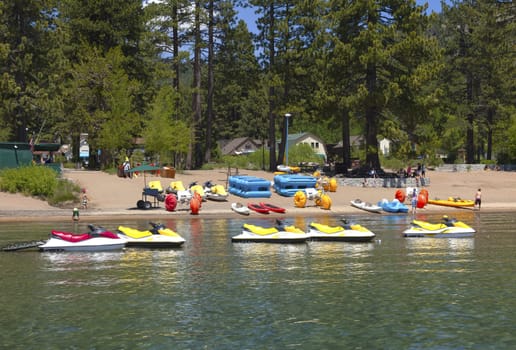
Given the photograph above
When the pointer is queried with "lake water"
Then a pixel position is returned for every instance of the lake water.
(393, 293)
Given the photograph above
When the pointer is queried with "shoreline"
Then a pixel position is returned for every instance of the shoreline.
(112, 197)
(162, 214)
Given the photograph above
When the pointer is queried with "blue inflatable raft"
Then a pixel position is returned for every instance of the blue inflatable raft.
(288, 185)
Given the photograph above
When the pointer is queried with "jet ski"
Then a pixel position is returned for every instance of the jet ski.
(98, 239)
(349, 232)
(159, 236)
(215, 192)
(277, 234)
(448, 228)
(196, 188)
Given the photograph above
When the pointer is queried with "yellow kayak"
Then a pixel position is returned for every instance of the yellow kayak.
(452, 202)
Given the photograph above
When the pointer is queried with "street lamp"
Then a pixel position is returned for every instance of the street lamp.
(287, 115)
(16, 155)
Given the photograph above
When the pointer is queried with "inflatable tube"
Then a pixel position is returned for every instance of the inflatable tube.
(170, 202)
(399, 195)
(300, 199)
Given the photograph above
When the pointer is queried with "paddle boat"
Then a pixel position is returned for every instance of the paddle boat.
(448, 228)
(453, 202)
(357, 203)
(278, 234)
(158, 237)
(395, 206)
(349, 232)
(98, 239)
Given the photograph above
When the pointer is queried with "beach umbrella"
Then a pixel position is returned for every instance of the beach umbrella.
(144, 168)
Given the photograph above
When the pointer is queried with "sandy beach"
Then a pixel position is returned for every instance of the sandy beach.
(111, 196)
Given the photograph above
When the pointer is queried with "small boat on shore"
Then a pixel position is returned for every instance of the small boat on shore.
(372, 208)
(257, 207)
(277, 234)
(449, 228)
(452, 202)
(350, 232)
(394, 206)
(273, 208)
(239, 208)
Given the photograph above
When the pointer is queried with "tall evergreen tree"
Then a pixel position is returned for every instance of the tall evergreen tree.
(31, 64)
(382, 49)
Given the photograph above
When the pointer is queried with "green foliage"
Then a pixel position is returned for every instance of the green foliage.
(302, 153)
(39, 181)
(165, 135)
(65, 191)
(36, 181)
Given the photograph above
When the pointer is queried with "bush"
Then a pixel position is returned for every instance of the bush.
(38, 181)
(65, 191)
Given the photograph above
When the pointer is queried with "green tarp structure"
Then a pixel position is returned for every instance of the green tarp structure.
(47, 147)
(15, 154)
(19, 154)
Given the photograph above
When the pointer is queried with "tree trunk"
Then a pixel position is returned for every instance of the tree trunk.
(209, 120)
(371, 115)
(194, 151)
(346, 147)
(470, 134)
(490, 117)
(272, 117)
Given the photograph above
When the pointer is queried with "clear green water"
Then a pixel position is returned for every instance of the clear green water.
(394, 293)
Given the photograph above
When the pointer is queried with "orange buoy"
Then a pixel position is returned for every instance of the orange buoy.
(399, 195)
(197, 196)
(170, 202)
(421, 201)
(424, 192)
(195, 205)
(300, 199)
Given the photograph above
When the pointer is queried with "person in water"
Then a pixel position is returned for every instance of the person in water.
(75, 214)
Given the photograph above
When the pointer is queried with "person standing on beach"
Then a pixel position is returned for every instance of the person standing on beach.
(478, 199)
(414, 201)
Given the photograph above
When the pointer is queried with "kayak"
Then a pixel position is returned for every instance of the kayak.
(448, 228)
(357, 203)
(277, 234)
(158, 237)
(257, 207)
(97, 240)
(452, 202)
(240, 208)
(272, 207)
(350, 232)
